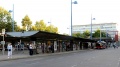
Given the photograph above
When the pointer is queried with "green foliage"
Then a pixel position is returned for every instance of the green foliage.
(26, 23)
(4, 15)
(6, 20)
(55, 30)
(86, 34)
(18, 29)
(97, 34)
(77, 35)
(40, 25)
(33, 28)
(52, 29)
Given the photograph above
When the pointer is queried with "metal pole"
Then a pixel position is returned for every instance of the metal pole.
(3, 45)
(13, 20)
(91, 27)
(50, 27)
(71, 17)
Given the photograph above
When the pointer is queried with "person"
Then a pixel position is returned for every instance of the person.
(42, 47)
(31, 49)
(114, 46)
(9, 47)
(18, 46)
(27, 46)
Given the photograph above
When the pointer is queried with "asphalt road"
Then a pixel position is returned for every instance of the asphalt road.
(96, 58)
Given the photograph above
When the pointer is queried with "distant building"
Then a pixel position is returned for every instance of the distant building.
(110, 28)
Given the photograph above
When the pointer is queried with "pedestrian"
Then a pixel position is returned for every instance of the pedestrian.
(9, 47)
(114, 46)
(42, 47)
(19, 47)
(30, 49)
(27, 46)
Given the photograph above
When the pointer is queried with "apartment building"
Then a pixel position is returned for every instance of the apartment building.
(110, 28)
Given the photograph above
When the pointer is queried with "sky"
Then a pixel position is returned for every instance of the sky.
(58, 12)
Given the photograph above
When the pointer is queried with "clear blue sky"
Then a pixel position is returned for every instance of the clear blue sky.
(58, 11)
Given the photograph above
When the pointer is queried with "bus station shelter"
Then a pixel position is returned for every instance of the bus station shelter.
(44, 37)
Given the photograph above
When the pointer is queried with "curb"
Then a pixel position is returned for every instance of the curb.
(41, 55)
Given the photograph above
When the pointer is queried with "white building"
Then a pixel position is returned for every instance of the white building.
(110, 28)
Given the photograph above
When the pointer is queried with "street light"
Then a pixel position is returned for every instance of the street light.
(75, 2)
(91, 26)
(3, 42)
(50, 27)
(12, 11)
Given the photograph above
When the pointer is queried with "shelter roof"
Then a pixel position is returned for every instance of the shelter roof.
(21, 34)
(46, 35)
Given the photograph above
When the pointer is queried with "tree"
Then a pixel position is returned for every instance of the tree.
(52, 29)
(86, 34)
(18, 28)
(26, 23)
(97, 34)
(33, 28)
(55, 30)
(5, 20)
(77, 35)
(40, 25)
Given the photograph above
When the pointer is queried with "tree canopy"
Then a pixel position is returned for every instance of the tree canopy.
(40, 25)
(26, 23)
(6, 20)
(97, 34)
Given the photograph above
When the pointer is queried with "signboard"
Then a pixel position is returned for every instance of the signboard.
(2, 42)
(3, 31)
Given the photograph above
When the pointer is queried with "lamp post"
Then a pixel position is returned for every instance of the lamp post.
(12, 17)
(3, 42)
(91, 26)
(50, 26)
(75, 2)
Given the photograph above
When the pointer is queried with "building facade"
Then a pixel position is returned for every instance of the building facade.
(110, 28)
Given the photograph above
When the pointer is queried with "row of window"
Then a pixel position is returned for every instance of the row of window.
(94, 28)
(109, 25)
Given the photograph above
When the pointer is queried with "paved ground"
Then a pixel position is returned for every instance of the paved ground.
(25, 54)
(95, 58)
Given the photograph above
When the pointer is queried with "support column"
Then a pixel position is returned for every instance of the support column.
(80, 45)
(71, 45)
(91, 45)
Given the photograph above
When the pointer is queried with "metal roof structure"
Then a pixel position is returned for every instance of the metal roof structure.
(22, 34)
(42, 35)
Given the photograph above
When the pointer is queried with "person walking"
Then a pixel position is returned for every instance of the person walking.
(9, 47)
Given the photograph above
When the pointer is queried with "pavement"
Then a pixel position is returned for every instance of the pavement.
(25, 54)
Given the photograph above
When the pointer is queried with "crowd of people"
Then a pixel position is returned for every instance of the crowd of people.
(43, 47)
